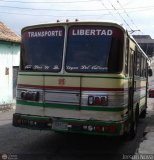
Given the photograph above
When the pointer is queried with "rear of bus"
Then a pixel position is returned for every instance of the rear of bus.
(72, 79)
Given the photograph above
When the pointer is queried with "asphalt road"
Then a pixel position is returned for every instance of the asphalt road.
(19, 143)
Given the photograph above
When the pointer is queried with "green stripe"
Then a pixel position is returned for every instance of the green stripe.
(71, 107)
(29, 103)
(101, 108)
(89, 122)
(84, 76)
(31, 117)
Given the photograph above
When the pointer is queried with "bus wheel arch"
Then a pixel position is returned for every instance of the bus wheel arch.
(131, 133)
(137, 113)
(134, 123)
(143, 113)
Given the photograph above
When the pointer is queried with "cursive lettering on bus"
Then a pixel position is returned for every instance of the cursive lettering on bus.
(72, 68)
(92, 32)
(84, 67)
(56, 67)
(96, 67)
(56, 33)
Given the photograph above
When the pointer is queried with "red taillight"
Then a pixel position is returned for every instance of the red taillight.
(110, 129)
(18, 121)
(104, 101)
(30, 95)
(98, 100)
(23, 95)
(98, 128)
(107, 129)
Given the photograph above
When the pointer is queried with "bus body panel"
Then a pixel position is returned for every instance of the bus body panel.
(76, 98)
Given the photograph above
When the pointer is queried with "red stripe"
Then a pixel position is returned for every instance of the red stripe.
(102, 89)
(69, 88)
(30, 86)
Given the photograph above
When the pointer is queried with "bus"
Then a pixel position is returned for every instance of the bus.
(81, 77)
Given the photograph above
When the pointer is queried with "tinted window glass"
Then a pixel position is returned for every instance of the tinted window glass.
(94, 49)
(42, 49)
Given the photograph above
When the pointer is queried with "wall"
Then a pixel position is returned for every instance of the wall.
(9, 57)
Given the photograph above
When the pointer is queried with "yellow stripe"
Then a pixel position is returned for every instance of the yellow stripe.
(74, 81)
(31, 80)
(104, 83)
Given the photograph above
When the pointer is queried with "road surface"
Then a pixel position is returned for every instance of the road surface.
(19, 143)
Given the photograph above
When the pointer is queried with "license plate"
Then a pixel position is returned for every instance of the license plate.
(59, 125)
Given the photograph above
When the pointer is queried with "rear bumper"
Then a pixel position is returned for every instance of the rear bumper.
(93, 127)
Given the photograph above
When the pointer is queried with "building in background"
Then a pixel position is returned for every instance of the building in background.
(9, 63)
(146, 43)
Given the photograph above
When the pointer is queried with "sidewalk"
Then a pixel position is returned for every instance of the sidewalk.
(147, 145)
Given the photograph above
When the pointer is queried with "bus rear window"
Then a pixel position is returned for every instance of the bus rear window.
(94, 49)
(42, 49)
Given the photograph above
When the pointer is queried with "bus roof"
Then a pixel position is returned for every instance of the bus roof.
(109, 23)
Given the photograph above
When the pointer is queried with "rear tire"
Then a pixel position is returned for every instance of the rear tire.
(130, 135)
(143, 113)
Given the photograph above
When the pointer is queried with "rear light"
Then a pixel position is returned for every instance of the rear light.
(90, 128)
(99, 128)
(30, 95)
(90, 100)
(104, 100)
(98, 100)
(40, 123)
(23, 95)
(108, 129)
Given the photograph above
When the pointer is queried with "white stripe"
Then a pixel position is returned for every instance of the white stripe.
(76, 114)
